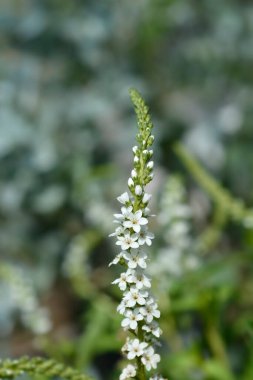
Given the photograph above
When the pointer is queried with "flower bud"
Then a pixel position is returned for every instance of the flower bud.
(134, 173)
(138, 190)
(123, 198)
(130, 182)
(134, 149)
(150, 165)
(150, 140)
(146, 198)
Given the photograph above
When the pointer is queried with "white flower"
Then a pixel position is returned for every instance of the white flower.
(135, 296)
(123, 198)
(140, 281)
(138, 190)
(146, 198)
(136, 159)
(136, 348)
(153, 328)
(127, 241)
(128, 372)
(121, 308)
(125, 211)
(135, 259)
(132, 318)
(157, 377)
(124, 279)
(145, 237)
(117, 259)
(150, 311)
(150, 359)
(135, 221)
(119, 231)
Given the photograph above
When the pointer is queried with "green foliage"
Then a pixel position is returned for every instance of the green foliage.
(10, 369)
(226, 207)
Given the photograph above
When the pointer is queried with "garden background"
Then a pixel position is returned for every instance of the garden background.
(66, 131)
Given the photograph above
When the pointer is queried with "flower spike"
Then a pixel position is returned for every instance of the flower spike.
(138, 307)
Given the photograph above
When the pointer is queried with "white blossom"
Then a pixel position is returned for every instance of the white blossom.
(132, 318)
(135, 259)
(119, 231)
(135, 221)
(125, 211)
(123, 280)
(123, 198)
(127, 241)
(135, 296)
(117, 259)
(136, 348)
(145, 237)
(150, 311)
(141, 281)
(150, 358)
(128, 372)
(153, 328)
(121, 308)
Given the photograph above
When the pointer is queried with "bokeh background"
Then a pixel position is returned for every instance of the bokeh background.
(66, 131)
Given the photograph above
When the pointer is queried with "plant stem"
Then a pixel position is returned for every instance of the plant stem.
(140, 370)
(141, 374)
(216, 343)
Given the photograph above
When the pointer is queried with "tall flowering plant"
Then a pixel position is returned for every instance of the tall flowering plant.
(138, 307)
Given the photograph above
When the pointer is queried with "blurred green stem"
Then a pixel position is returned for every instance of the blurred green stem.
(215, 341)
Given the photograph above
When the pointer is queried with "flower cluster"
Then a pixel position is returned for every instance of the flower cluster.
(138, 307)
(21, 297)
(178, 255)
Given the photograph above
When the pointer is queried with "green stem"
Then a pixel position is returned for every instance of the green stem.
(216, 344)
(141, 374)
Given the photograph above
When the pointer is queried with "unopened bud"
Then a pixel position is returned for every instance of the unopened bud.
(146, 198)
(130, 182)
(134, 173)
(138, 190)
(150, 165)
(150, 140)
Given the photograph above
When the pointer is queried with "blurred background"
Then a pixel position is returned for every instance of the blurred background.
(66, 131)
